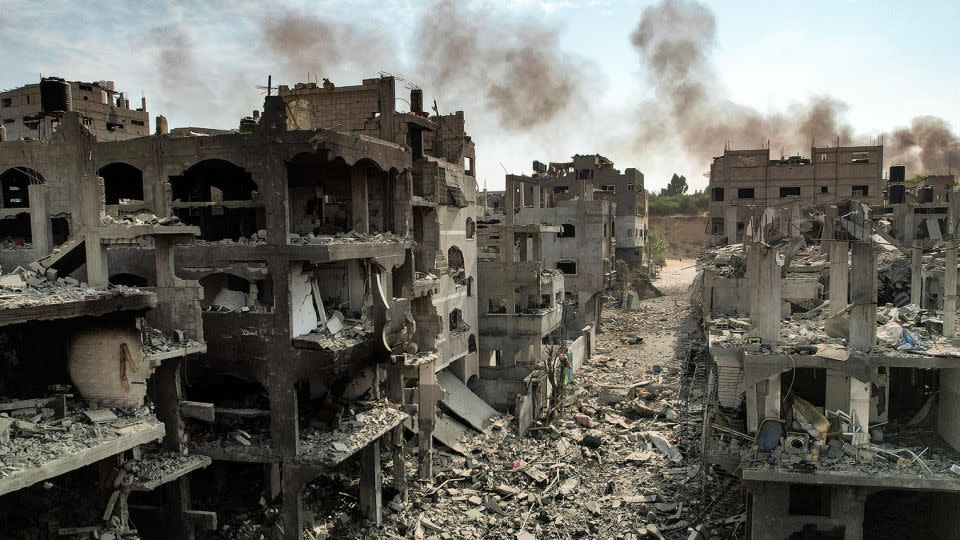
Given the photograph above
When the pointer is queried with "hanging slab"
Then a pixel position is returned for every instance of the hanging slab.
(464, 403)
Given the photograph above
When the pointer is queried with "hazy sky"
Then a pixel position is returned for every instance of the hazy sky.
(199, 64)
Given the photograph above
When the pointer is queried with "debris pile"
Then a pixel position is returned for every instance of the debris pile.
(144, 218)
(36, 431)
(36, 286)
(349, 238)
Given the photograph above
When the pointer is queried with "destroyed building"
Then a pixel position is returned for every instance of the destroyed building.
(593, 176)
(740, 179)
(334, 271)
(835, 409)
(583, 249)
(103, 110)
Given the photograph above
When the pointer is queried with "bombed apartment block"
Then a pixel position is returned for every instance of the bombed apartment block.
(583, 250)
(326, 271)
(740, 179)
(837, 411)
(593, 176)
(32, 111)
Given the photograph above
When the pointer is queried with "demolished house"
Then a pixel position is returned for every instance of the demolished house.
(323, 274)
(835, 406)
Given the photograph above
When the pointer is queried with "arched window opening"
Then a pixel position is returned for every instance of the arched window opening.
(470, 286)
(14, 182)
(471, 228)
(567, 230)
(472, 344)
(455, 265)
(60, 228)
(457, 324)
(122, 183)
(217, 196)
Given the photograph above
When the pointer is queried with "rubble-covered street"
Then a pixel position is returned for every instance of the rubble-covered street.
(620, 460)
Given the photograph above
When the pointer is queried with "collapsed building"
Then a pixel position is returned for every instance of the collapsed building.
(831, 393)
(329, 293)
(743, 179)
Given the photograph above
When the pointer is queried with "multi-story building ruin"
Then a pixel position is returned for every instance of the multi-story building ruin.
(835, 406)
(741, 179)
(337, 264)
(593, 176)
(103, 110)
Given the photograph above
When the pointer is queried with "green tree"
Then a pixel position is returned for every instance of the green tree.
(677, 186)
(656, 248)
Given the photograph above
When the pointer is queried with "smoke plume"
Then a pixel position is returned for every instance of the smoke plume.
(675, 38)
(301, 41)
(517, 68)
(928, 145)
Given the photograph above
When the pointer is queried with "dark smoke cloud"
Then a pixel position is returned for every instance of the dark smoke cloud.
(675, 38)
(516, 66)
(301, 41)
(927, 145)
(177, 72)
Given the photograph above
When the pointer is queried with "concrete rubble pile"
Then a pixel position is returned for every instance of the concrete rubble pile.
(36, 286)
(35, 431)
(349, 238)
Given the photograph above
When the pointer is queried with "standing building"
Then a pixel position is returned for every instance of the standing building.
(749, 178)
(103, 110)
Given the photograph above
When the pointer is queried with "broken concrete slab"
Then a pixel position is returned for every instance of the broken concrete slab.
(464, 403)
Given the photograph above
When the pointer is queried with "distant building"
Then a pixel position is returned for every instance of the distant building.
(104, 112)
(743, 179)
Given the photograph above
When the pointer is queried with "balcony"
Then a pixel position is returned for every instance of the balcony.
(529, 323)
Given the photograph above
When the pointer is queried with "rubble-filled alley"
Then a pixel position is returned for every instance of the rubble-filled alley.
(619, 459)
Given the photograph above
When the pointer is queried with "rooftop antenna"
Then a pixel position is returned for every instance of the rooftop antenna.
(502, 167)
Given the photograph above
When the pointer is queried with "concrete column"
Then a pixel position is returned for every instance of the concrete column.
(537, 247)
(795, 218)
(950, 289)
(860, 409)
(828, 233)
(753, 271)
(837, 391)
(839, 276)
(360, 197)
(395, 386)
(40, 230)
(863, 293)
(730, 224)
(91, 208)
(767, 322)
(909, 225)
(536, 196)
(916, 279)
(899, 215)
(771, 397)
(428, 391)
(371, 482)
(96, 255)
(292, 505)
